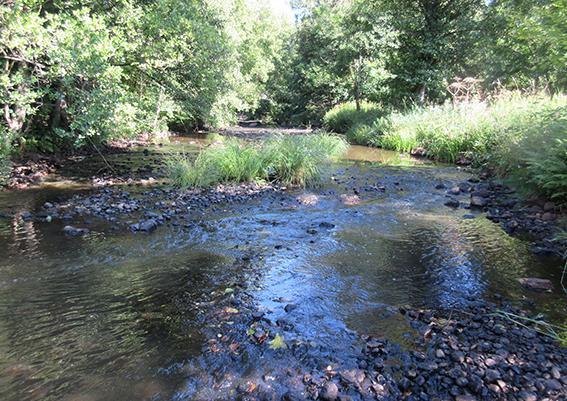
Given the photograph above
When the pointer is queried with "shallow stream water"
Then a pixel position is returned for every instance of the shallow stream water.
(120, 316)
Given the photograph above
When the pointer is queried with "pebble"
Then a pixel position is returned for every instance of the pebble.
(330, 392)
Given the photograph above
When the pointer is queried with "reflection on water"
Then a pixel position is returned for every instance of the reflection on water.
(66, 324)
(389, 157)
(110, 316)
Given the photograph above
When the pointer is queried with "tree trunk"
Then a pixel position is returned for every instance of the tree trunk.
(422, 94)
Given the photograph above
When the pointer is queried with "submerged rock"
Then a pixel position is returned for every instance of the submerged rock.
(74, 231)
(539, 284)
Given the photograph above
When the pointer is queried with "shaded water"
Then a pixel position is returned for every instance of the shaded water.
(117, 316)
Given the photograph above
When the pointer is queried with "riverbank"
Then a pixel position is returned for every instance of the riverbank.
(513, 136)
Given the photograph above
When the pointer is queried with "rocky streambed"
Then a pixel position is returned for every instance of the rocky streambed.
(388, 282)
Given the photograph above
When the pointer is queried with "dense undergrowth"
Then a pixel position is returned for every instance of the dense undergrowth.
(289, 160)
(520, 137)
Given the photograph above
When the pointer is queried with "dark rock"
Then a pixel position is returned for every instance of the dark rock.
(257, 315)
(311, 231)
(462, 381)
(553, 385)
(465, 398)
(289, 307)
(440, 186)
(458, 356)
(148, 225)
(491, 375)
(527, 396)
(452, 203)
(326, 224)
(293, 396)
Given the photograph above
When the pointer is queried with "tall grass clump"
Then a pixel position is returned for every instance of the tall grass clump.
(290, 160)
(362, 134)
(448, 131)
(344, 116)
(232, 162)
(298, 159)
(533, 151)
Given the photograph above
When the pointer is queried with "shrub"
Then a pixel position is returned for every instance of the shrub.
(344, 116)
(290, 160)
(448, 131)
(547, 170)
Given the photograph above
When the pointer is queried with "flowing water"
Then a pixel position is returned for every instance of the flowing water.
(117, 316)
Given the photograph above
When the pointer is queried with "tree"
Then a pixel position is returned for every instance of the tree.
(525, 43)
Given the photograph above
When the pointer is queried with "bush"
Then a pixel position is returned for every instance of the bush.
(290, 160)
(215, 137)
(344, 116)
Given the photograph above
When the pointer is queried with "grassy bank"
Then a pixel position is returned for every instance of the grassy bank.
(289, 160)
(520, 137)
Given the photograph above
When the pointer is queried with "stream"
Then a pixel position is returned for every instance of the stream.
(116, 315)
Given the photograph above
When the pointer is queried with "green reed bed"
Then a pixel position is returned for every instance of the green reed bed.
(285, 159)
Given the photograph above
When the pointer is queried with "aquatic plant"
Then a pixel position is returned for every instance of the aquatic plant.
(215, 137)
(298, 159)
(290, 160)
(360, 134)
(556, 332)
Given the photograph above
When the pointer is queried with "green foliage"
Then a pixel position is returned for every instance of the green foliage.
(547, 169)
(75, 72)
(290, 160)
(336, 54)
(232, 162)
(525, 43)
(215, 137)
(345, 116)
